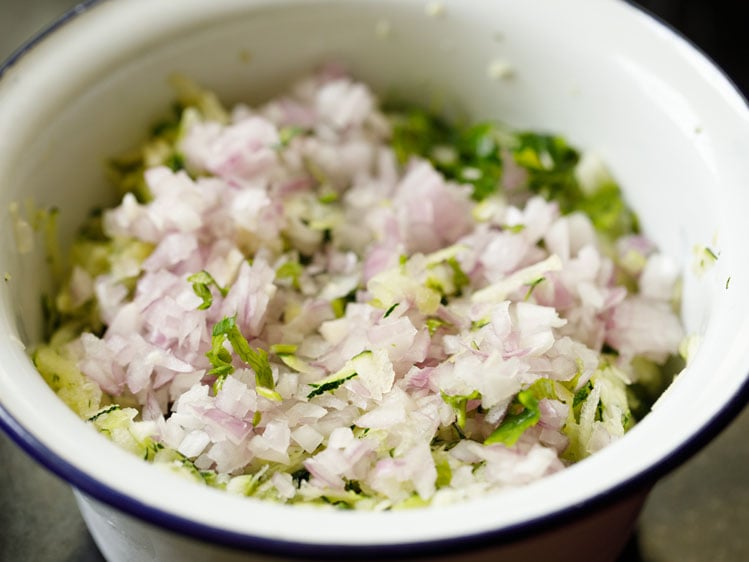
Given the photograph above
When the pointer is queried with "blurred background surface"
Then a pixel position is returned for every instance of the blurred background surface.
(699, 513)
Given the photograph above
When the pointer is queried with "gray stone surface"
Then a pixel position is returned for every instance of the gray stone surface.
(39, 520)
(698, 513)
(701, 511)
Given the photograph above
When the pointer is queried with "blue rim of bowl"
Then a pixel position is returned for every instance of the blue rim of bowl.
(16, 55)
(313, 551)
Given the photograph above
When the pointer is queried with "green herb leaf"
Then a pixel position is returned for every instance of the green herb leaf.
(550, 163)
(201, 282)
(390, 310)
(607, 211)
(220, 359)
(204, 293)
(329, 384)
(480, 159)
(417, 133)
(257, 359)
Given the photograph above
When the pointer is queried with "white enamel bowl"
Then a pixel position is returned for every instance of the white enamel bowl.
(674, 131)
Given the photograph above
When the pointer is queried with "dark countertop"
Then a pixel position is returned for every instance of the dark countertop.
(699, 512)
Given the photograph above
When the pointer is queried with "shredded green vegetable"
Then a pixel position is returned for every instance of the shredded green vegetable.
(523, 414)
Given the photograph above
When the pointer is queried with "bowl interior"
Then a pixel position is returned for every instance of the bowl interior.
(672, 129)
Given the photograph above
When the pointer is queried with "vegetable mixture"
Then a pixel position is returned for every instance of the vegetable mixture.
(323, 300)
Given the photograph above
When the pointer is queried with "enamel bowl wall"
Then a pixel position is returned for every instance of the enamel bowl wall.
(673, 130)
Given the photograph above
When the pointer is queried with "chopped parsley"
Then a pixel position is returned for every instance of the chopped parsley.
(474, 154)
(390, 310)
(329, 384)
(201, 285)
(221, 360)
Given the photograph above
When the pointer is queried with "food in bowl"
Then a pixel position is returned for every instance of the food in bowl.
(320, 300)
